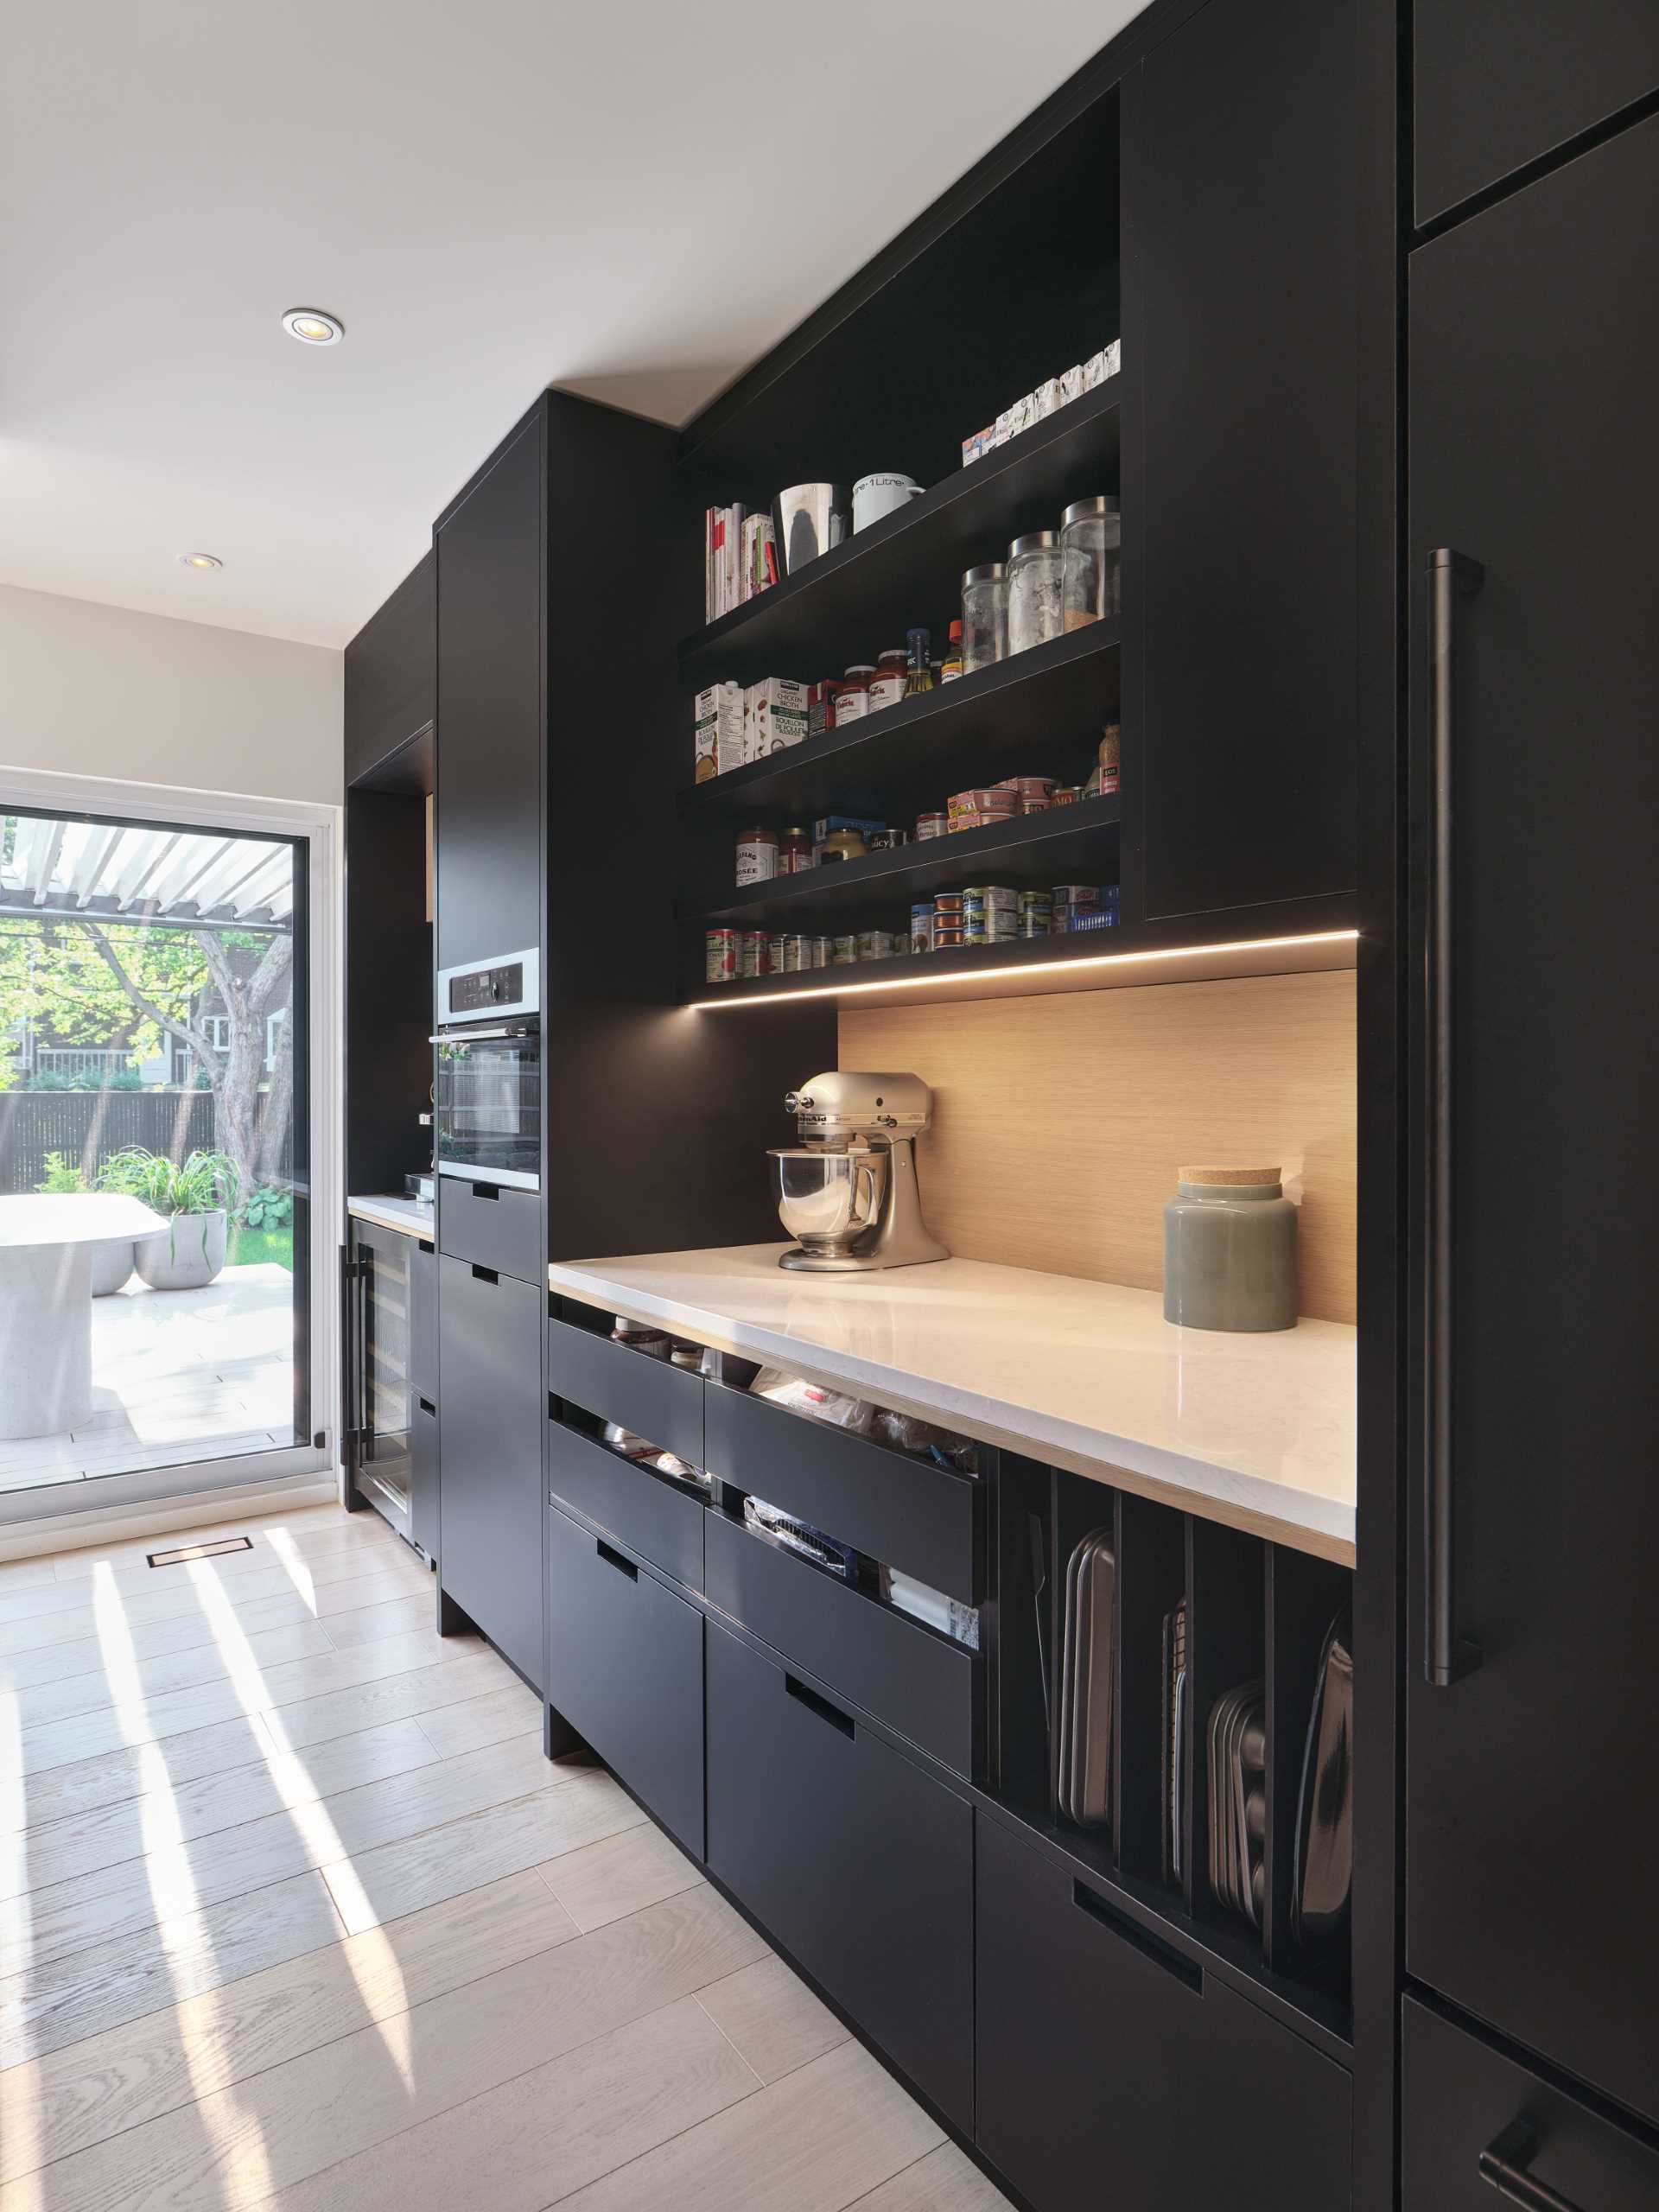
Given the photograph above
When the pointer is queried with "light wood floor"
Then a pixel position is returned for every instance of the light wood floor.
(293, 1912)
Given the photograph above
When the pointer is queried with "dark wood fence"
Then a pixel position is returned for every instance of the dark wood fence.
(87, 1126)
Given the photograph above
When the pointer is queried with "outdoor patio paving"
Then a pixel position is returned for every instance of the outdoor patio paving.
(179, 1375)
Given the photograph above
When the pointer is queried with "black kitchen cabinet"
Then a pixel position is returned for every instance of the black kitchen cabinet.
(390, 672)
(1479, 2128)
(625, 1670)
(490, 1423)
(489, 702)
(857, 1862)
(1111, 2069)
(1494, 90)
(423, 1395)
(1530, 1787)
(1240, 487)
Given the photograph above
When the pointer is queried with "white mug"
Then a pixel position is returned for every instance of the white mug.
(875, 496)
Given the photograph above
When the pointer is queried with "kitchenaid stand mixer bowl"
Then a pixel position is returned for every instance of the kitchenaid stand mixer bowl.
(848, 1191)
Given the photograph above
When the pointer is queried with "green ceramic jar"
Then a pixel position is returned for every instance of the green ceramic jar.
(1230, 1250)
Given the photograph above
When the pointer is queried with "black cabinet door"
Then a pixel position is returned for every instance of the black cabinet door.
(1463, 2103)
(489, 696)
(855, 1860)
(624, 1668)
(1112, 2070)
(1531, 1791)
(1239, 354)
(389, 669)
(1495, 88)
(490, 1424)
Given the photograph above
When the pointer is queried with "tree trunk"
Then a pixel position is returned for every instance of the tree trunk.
(236, 1087)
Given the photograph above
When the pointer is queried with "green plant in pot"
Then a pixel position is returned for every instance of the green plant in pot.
(197, 1194)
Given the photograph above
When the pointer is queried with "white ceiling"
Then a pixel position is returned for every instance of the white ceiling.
(633, 200)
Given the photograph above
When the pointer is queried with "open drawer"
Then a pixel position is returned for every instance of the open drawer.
(661, 1520)
(922, 1519)
(656, 1401)
(917, 1680)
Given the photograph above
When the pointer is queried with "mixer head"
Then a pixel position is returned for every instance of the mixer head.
(846, 1103)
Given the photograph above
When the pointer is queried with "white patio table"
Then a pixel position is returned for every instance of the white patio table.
(46, 1303)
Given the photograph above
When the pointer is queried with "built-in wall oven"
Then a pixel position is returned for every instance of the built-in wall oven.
(487, 1094)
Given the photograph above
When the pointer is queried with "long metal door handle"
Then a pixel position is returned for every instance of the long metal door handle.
(1504, 2165)
(1447, 1655)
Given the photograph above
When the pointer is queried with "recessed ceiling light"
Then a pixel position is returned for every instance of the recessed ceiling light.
(201, 560)
(313, 326)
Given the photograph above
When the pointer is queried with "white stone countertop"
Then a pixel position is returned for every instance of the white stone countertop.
(1256, 1431)
(75, 1217)
(409, 1217)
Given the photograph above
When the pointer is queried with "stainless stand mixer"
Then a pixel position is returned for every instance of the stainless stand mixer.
(848, 1189)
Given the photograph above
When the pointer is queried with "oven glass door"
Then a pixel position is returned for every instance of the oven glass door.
(488, 1105)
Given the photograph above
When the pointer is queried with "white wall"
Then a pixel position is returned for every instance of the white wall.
(94, 691)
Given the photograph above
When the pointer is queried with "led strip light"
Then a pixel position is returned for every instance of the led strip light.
(974, 978)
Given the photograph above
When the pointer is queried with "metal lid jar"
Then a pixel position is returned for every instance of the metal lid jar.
(984, 616)
(1035, 567)
(1230, 1250)
(1091, 542)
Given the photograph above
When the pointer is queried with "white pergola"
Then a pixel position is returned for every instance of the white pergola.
(95, 871)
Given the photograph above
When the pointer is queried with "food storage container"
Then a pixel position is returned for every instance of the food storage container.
(984, 616)
(1035, 599)
(1091, 540)
(1230, 1250)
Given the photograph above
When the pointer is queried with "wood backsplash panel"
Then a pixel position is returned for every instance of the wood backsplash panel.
(1059, 1122)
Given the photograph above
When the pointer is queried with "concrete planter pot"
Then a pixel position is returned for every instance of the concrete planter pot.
(112, 1265)
(189, 1256)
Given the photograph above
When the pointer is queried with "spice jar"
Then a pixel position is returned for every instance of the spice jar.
(842, 845)
(1035, 567)
(853, 693)
(794, 853)
(1091, 547)
(887, 684)
(1230, 1250)
(1112, 756)
(757, 855)
(984, 616)
(950, 666)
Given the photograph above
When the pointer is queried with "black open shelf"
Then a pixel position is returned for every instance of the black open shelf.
(1063, 844)
(1161, 951)
(860, 599)
(1038, 713)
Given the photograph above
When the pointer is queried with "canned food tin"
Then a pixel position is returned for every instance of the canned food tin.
(948, 902)
(775, 955)
(992, 928)
(946, 936)
(720, 956)
(1065, 795)
(990, 894)
(875, 944)
(823, 950)
(921, 929)
(754, 953)
(1036, 922)
(845, 953)
(931, 825)
(797, 954)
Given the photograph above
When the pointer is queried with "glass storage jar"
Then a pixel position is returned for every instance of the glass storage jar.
(984, 616)
(1091, 542)
(1035, 577)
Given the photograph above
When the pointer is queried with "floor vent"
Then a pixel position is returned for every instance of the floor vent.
(200, 1551)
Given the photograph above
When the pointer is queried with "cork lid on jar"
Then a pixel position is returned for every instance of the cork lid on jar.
(1239, 1178)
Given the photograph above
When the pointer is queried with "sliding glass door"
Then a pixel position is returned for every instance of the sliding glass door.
(155, 1223)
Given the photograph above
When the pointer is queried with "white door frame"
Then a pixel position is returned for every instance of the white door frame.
(318, 827)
